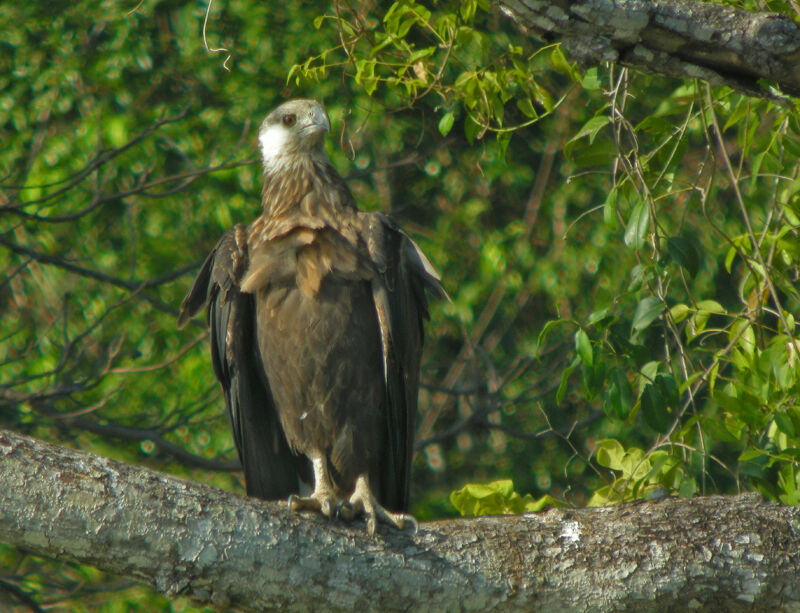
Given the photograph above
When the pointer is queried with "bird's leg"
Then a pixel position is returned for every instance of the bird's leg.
(323, 499)
(362, 502)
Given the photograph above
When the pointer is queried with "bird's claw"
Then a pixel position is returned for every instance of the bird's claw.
(360, 504)
(343, 510)
(318, 501)
(363, 503)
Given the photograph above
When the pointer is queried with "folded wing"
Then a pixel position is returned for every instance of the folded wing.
(271, 469)
(399, 292)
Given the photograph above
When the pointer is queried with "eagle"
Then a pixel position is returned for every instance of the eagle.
(315, 316)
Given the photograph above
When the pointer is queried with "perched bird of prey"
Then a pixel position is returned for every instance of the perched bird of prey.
(315, 313)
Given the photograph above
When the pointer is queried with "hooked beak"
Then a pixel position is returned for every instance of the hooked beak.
(317, 122)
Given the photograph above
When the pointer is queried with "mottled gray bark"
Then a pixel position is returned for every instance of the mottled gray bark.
(679, 38)
(704, 554)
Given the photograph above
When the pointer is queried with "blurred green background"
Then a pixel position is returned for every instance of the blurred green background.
(623, 295)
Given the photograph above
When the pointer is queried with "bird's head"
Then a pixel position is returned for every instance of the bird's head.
(295, 129)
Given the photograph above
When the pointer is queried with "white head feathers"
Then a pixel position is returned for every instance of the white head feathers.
(295, 129)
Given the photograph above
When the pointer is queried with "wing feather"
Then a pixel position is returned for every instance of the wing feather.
(399, 293)
(271, 469)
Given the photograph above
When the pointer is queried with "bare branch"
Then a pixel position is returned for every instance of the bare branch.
(133, 286)
(101, 159)
(677, 38)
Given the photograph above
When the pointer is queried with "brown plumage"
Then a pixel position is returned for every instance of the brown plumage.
(315, 313)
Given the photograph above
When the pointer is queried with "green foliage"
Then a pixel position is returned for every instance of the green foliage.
(79, 589)
(701, 306)
(639, 473)
(497, 498)
(416, 50)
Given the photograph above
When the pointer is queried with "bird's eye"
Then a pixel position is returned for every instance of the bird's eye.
(289, 119)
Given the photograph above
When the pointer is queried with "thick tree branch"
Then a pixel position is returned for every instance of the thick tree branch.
(678, 38)
(703, 554)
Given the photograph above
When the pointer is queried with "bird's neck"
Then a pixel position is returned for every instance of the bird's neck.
(286, 185)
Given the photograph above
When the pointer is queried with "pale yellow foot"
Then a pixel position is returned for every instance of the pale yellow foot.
(363, 503)
(324, 502)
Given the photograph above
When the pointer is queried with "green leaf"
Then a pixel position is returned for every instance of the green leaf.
(742, 330)
(471, 128)
(446, 123)
(561, 64)
(619, 395)
(655, 125)
(784, 423)
(649, 371)
(638, 225)
(549, 326)
(610, 453)
(601, 497)
(717, 430)
(591, 81)
(117, 130)
(728, 400)
(594, 154)
(365, 75)
(610, 210)
(593, 377)
(654, 409)
(496, 498)
(526, 106)
(729, 258)
(687, 488)
(705, 308)
(679, 312)
(598, 316)
(540, 503)
(741, 110)
(591, 128)
(420, 54)
(668, 390)
(562, 386)
(648, 309)
(543, 97)
(758, 159)
(712, 377)
(711, 306)
(584, 347)
(685, 252)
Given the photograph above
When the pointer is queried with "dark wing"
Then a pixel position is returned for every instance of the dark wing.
(401, 303)
(271, 470)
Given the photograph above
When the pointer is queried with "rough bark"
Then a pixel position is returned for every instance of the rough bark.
(704, 554)
(678, 38)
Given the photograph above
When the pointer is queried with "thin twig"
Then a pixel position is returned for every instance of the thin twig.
(213, 50)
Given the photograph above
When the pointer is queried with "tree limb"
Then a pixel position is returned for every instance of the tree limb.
(702, 554)
(677, 38)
